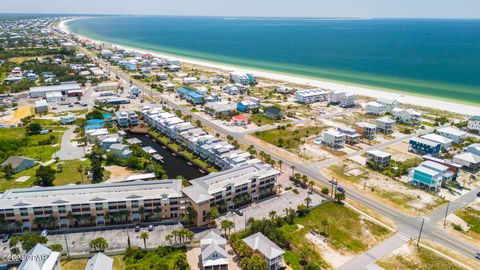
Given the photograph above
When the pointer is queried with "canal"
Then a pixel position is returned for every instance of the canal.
(174, 165)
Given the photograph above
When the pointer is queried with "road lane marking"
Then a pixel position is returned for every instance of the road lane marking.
(462, 247)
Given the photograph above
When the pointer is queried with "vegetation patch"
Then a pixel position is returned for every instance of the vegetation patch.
(420, 258)
(288, 136)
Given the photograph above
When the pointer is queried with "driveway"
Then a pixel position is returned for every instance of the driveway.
(68, 151)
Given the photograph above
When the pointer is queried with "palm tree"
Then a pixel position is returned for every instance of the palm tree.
(272, 215)
(80, 171)
(169, 238)
(144, 236)
(308, 200)
(280, 162)
(226, 225)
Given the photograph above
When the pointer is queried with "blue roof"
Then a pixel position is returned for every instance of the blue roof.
(190, 92)
(95, 121)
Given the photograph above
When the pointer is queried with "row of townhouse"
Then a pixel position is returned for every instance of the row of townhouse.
(209, 147)
(92, 205)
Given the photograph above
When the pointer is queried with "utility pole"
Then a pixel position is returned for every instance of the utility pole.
(128, 238)
(446, 214)
(66, 245)
(420, 234)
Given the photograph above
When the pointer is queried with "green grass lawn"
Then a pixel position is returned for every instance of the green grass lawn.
(10, 183)
(292, 259)
(12, 133)
(421, 258)
(289, 137)
(346, 231)
(260, 119)
(70, 173)
(472, 217)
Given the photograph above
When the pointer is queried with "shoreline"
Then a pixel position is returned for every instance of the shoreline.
(425, 101)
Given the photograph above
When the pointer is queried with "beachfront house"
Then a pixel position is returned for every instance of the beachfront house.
(348, 100)
(474, 123)
(378, 160)
(311, 96)
(389, 104)
(407, 116)
(452, 133)
(424, 146)
(385, 124)
(272, 254)
(213, 252)
(19, 163)
(367, 130)
(334, 139)
(242, 78)
(375, 108)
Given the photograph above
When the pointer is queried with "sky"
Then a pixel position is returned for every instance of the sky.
(255, 8)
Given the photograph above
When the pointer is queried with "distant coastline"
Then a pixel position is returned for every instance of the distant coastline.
(360, 89)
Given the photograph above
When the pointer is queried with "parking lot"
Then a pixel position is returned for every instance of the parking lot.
(78, 242)
(279, 203)
(117, 239)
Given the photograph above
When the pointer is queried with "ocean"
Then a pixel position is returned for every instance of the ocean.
(433, 58)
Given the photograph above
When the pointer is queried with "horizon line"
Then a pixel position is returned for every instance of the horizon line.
(236, 16)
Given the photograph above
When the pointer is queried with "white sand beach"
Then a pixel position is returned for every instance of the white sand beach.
(359, 90)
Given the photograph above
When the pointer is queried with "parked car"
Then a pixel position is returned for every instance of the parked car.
(341, 189)
(150, 228)
(238, 212)
(44, 233)
(478, 194)
(5, 237)
(477, 256)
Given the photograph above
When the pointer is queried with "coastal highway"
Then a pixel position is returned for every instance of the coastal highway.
(409, 226)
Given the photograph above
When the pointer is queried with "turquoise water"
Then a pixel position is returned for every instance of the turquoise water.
(438, 58)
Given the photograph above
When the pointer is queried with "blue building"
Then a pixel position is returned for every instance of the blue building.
(94, 124)
(424, 146)
(426, 178)
(191, 95)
